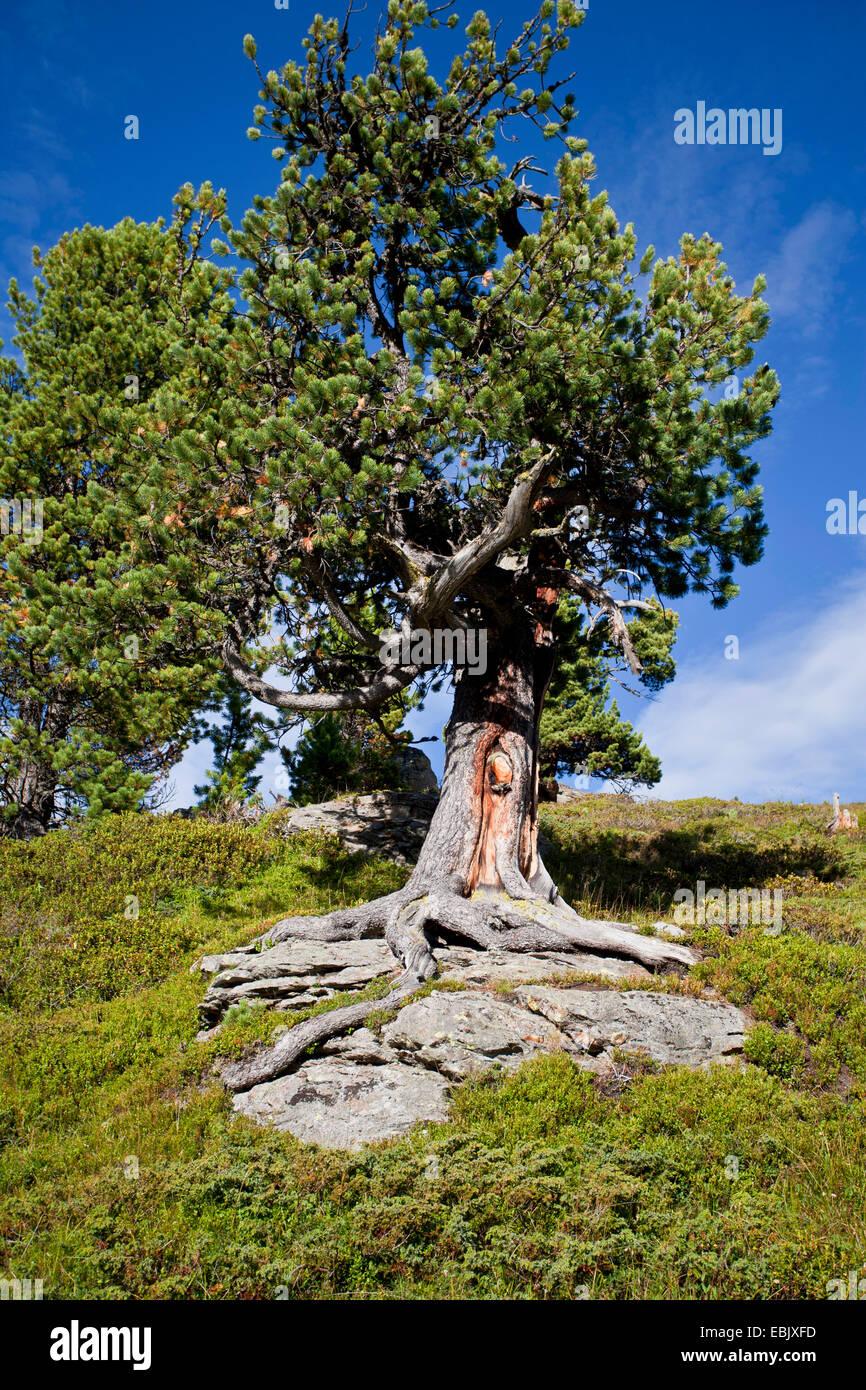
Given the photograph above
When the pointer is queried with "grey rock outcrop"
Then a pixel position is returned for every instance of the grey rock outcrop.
(344, 1104)
(671, 1029)
(377, 1083)
(291, 975)
(456, 1034)
(416, 771)
(295, 974)
(493, 968)
(390, 824)
(566, 794)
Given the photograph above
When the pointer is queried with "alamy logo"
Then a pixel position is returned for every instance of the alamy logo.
(846, 518)
(854, 1288)
(737, 126)
(21, 1289)
(420, 647)
(76, 1343)
(738, 907)
(22, 517)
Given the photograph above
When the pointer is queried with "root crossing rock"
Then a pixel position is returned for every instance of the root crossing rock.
(379, 1081)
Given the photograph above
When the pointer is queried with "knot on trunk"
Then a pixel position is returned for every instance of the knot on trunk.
(500, 773)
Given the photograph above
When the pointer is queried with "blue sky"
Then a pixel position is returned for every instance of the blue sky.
(788, 717)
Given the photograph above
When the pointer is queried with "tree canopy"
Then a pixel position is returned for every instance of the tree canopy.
(411, 390)
(454, 402)
(99, 671)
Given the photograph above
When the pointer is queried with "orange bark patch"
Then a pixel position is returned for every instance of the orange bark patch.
(497, 775)
(500, 771)
(545, 603)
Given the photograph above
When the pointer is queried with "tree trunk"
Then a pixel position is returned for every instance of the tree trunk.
(484, 833)
(479, 877)
(31, 788)
(30, 783)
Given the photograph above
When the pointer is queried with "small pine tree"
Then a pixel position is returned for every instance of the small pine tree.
(581, 730)
(239, 742)
(324, 763)
(100, 670)
(348, 753)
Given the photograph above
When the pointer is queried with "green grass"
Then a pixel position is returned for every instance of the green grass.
(673, 1184)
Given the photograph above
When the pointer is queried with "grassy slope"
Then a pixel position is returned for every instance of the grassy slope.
(547, 1184)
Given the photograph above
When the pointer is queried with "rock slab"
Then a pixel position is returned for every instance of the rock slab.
(488, 968)
(457, 1034)
(672, 1029)
(342, 1104)
(393, 825)
(377, 1083)
(291, 975)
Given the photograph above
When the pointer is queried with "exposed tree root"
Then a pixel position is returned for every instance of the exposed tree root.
(479, 876)
(346, 924)
(274, 1061)
(413, 922)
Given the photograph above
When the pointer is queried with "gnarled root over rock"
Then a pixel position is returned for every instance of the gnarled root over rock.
(414, 924)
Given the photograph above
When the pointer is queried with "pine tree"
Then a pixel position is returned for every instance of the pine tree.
(240, 740)
(324, 762)
(581, 730)
(340, 753)
(100, 673)
(442, 406)
(449, 409)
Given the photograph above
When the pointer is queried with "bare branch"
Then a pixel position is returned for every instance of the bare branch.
(442, 588)
(340, 614)
(368, 696)
(611, 608)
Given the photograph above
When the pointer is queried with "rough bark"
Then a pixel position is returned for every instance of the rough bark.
(33, 794)
(31, 787)
(27, 782)
(479, 877)
(250, 1071)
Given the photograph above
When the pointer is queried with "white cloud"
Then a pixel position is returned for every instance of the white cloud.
(785, 722)
(25, 198)
(802, 277)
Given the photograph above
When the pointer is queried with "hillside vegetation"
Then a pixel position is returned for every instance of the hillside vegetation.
(124, 1173)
